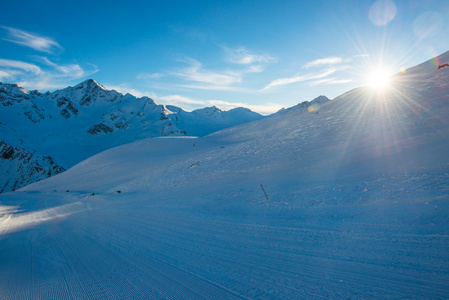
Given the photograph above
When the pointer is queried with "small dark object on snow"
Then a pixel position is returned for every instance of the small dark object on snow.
(195, 164)
(118, 192)
(264, 192)
(442, 66)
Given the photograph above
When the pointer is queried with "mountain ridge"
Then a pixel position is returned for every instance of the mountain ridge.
(74, 123)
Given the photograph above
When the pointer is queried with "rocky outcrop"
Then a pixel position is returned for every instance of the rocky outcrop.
(100, 128)
(26, 167)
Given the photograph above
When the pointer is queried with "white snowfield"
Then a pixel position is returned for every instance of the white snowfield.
(350, 200)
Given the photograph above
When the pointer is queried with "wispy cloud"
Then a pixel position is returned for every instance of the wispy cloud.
(238, 63)
(244, 56)
(332, 60)
(195, 72)
(125, 89)
(329, 81)
(225, 79)
(5, 75)
(70, 70)
(181, 100)
(331, 65)
(299, 78)
(41, 73)
(46, 75)
(31, 40)
(216, 87)
(8, 64)
(146, 76)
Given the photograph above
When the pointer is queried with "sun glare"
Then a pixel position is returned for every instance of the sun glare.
(379, 78)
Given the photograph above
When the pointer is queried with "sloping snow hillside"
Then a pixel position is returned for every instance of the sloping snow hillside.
(74, 123)
(348, 200)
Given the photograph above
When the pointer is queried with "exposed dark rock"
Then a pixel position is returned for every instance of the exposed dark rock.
(100, 128)
(65, 113)
(27, 167)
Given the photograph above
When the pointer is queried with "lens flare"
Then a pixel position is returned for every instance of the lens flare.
(382, 12)
(378, 78)
(314, 107)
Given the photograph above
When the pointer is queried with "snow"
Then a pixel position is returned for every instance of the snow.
(357, 208)
(74, 123)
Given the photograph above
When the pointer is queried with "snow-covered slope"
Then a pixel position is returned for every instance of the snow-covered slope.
(77, 122)
(313, 105)
(349, 200)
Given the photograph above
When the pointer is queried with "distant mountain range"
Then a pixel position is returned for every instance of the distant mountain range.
(43, 134)
(69, 125)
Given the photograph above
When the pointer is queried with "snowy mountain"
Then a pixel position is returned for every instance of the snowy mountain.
(351, 202)
(27, 167)
(77, 122)
(312, 105)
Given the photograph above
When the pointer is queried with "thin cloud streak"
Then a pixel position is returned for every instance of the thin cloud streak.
(145, 76)
(38, 43)
(324, 61)
(5, 75)
(179, 100)
(329, 81)
(70, 70)
(48, 75)
(222, 80)
(215, 88)
(244, 56)
(331, 60)
(289, 80)
(19, 65)
(124, 89)
(196, 73)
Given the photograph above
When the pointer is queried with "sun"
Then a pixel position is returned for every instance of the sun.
(379, 78)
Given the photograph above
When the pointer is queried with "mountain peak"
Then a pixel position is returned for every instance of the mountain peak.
(11, 92)
(320, 99)
(89, 84)
(208, 111)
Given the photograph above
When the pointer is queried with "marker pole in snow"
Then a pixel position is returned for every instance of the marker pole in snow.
(264, 192)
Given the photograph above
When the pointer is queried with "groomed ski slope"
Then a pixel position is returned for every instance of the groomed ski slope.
(356, 205)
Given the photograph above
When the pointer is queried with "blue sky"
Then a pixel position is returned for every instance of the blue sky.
(259, 54)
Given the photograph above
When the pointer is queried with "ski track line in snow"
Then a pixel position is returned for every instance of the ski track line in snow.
(235, 294)
(67, 272)
(230, 259)
(333, 233)
(165, 223)
(269, 259)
